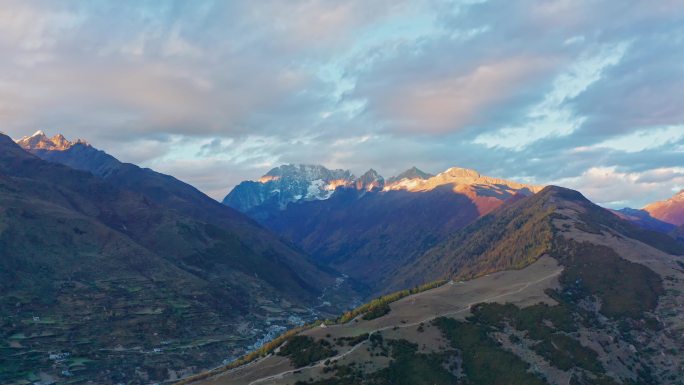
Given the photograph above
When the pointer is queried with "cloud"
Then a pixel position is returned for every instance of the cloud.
(646, 139)
(612, 188)
(458, 99)
(553, 116)
(579, 92)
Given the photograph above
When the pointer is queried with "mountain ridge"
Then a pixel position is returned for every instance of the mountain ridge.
(469, 251)
(367, 233)
(670, 210)
(576, 296)
(174, 194)
(294, 183)
(72, 242)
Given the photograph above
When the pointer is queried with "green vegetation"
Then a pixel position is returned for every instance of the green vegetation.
(484, 362)
(509, 238)
(598, 380)
(545, 324)
(412, 368)
(377, 311)
(408, 367)
(625, 289)
(533, 319)
(380, 306)
(566, 353)
(351, 341)
(303, 350)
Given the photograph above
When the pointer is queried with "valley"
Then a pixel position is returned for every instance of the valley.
(371, 234)
(177, 288)
(597, 306)
(317, 192)
(454, 299)
(553, 287)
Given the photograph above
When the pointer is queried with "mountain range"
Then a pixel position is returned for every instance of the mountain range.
(104, 245)
(550, 289)
(365, 227)
(492, 281)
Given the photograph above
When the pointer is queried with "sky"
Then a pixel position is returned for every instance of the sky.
(585, 94)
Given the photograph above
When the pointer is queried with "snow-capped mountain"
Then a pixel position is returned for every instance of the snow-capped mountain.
(294, 183)
(285, 184)
(370, 181)
(368, 226)
(77, 154)
(458, 178)
(40, 141)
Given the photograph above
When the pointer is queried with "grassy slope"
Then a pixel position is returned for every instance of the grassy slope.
(600, 292)
(515, 235)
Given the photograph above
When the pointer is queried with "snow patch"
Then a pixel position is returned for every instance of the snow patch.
(315, 188)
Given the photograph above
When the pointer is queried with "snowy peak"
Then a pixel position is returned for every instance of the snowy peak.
(40, 141)
(370, 181)
(286, 184)
(307, 172)
(464, 180)
(461, 173)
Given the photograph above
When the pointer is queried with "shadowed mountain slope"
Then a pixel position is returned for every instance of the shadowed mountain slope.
(79, 256)
(367, 227)
(678, 233)
(644, 219)
(368, 236)
(169, 192)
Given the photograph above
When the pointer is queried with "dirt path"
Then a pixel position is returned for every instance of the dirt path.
(413, 324)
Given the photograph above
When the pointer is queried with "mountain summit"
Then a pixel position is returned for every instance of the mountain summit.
(286, 184)
(670, 210)
(40, 141)
(370, 181)
(412, 173)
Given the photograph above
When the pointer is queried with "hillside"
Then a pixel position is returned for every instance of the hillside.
(515, 235)
(670, 210)
(592, 300)
(173, 194)
(175, 294)
(369, 233)
(678, 233)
